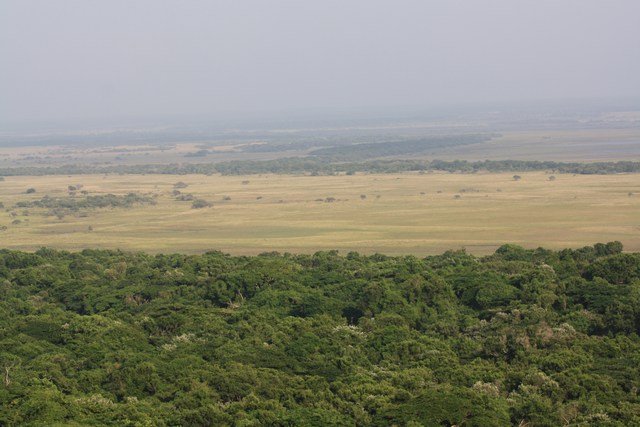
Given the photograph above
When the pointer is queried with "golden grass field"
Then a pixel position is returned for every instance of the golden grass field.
(395, 218)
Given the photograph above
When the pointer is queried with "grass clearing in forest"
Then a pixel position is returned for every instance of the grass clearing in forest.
(388, 213)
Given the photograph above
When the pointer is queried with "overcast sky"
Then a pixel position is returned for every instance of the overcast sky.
(69, 59)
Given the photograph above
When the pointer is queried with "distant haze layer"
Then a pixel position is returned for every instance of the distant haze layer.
(75, 59)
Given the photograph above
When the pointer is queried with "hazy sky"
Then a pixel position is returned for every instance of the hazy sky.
(67, 59)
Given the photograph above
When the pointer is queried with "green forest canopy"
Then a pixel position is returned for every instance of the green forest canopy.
(522, 337)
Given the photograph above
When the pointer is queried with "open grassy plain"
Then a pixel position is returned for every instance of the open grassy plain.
(393, 214)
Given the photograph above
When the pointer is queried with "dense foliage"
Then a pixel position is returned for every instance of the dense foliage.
(522, 337)
(322, 165)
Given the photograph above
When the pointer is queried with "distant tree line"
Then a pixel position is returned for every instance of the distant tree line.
(325, 166)
(371, 150)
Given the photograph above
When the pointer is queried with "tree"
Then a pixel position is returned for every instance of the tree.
(521, 336)
(9, 362)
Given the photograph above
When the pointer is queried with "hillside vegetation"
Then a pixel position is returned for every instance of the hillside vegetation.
(521, 337)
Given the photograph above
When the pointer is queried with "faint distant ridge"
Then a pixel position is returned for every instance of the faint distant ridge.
(323, 166)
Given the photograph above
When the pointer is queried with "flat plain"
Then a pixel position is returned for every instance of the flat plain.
(389, 213)
(610, 142)
(560, 145)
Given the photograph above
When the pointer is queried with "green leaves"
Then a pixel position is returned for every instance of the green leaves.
(105, 337)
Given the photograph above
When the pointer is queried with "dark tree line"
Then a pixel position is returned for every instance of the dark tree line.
(320, 165)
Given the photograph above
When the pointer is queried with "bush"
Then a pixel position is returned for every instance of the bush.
(200, 203)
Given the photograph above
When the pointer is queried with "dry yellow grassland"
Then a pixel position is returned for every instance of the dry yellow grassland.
(281, 212)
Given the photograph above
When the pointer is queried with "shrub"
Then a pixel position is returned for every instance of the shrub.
(200, 203)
